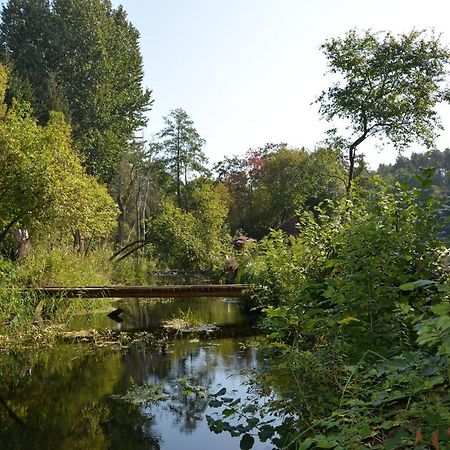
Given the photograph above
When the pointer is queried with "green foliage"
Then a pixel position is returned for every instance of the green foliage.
(197, 239)
(24, 29)
(358, 308)
(133, 270)
(146, 393)
(389, 86)
(433, 331)
(82, 58)
(181, 149)
(59, 265)
(350, 260)
(44, 266)
(183, 320)
(17, 313)
(268, 186)
(411, 171)
(63, 266)
(42, 182)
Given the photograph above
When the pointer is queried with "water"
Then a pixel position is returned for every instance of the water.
(69, 398)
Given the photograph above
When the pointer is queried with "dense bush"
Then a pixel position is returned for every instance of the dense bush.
(358, 307)
(194, 239)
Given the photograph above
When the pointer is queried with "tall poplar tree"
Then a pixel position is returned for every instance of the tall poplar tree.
(81, 57)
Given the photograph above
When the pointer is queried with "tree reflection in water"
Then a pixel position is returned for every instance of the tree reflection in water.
(209, 364)
(61, 398)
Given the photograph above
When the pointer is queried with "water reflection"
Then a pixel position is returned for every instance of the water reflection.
(180, 421)
(148, 314)
(63, 398)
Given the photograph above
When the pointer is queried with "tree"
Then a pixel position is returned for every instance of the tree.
(269, 185)
(140, 179)
(428, 171)
(43, 185)
(195, 239)
(295, 179)
(388, 86)
(181, 146)
(406, 170)
(81, 57)
(25, 35)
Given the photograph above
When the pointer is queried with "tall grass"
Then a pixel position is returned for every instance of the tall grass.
(133, 271)
(58, 266)
(62, 266)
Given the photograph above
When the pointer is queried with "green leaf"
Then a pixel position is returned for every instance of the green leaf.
(267, 431)
(228, 412)
(396, 441)
(348, 320)
(306, 444)
(441, 309)
(223, 391)
(329, 292)
(417, 284)
(247, 442)
(327, 444)
(215, 403)
(443, 323)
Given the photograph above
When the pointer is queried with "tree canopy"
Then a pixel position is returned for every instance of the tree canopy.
(195, 239)
(388, 86)
(80, 57)
(42, 182)
(181, 147)
(269, 185)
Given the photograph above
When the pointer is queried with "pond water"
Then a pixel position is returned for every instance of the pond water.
(73, 396)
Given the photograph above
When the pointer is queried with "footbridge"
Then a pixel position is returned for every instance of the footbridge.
(173, 291)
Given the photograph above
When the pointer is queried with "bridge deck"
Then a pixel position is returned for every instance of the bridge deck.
(212, 290)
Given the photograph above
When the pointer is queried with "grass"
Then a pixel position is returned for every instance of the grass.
(58, 266)
(64, 267)
(183, 320)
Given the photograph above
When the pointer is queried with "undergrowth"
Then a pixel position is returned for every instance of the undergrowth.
(358, 321)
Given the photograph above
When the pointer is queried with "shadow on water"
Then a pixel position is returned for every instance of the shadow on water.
(68, 397)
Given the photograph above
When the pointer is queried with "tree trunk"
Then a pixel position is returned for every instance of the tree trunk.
(138, 207)
(351, 168)
(178, 170)
(185, 189)
(23, 243)
(352, 157)
(78, 241)
(120, 237)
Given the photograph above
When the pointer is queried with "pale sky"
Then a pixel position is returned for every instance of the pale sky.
(246, 71)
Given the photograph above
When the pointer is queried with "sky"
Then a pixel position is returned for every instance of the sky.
(247, 71)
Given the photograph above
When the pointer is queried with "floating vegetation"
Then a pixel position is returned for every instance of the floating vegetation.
(160, 301)
(188, 388)
(154, 393)
(145, 393)
(103, 338)
(188, 322)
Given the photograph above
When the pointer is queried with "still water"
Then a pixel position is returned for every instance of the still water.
(72, 397)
